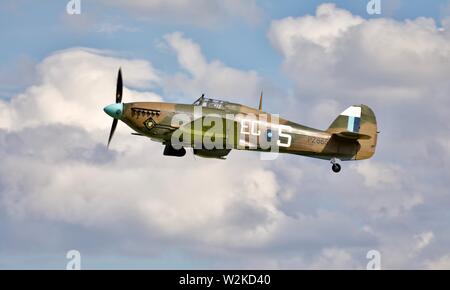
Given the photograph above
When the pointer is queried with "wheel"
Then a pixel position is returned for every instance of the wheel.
(336, 167)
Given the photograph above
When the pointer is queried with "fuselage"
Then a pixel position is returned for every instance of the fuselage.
(156, 121)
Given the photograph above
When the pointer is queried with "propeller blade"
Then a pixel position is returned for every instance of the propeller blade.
(113, 128)
(119, 87)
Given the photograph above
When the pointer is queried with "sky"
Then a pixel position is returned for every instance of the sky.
(131, 207)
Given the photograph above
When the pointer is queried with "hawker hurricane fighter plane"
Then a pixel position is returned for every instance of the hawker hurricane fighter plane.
(214, 127)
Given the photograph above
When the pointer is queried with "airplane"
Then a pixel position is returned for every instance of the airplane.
(351, 136)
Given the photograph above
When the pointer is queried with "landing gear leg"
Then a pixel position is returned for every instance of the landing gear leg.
(336, 167)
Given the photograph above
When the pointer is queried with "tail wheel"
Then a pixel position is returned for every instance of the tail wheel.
(336, 167)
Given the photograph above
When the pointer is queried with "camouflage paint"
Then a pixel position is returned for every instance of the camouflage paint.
(347, 138)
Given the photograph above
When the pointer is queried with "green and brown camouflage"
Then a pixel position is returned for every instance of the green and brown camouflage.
(214, 127)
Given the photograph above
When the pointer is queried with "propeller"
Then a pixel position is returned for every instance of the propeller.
(111, 133)
(114, 110)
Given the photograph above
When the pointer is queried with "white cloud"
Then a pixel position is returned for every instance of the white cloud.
(19, 76)
(389, 189)
(55, 166)
(423, 240)
(57, 98)
(334, 258)
(213, 78)
(58, 182)
(335, 54)
(441, 263)
(377, 174)
(399, 69)
(322, 30)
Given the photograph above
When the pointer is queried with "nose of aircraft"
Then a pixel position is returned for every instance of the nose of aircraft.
(114, 110)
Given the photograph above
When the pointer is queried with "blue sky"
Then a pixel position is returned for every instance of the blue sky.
(312, 59)
(36, 30)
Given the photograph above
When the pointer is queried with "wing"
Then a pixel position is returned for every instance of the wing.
(216, 128)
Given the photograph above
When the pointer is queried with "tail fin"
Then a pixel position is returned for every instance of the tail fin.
(357, 122)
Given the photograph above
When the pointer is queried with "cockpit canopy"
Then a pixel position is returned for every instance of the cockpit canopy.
(210, 103)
